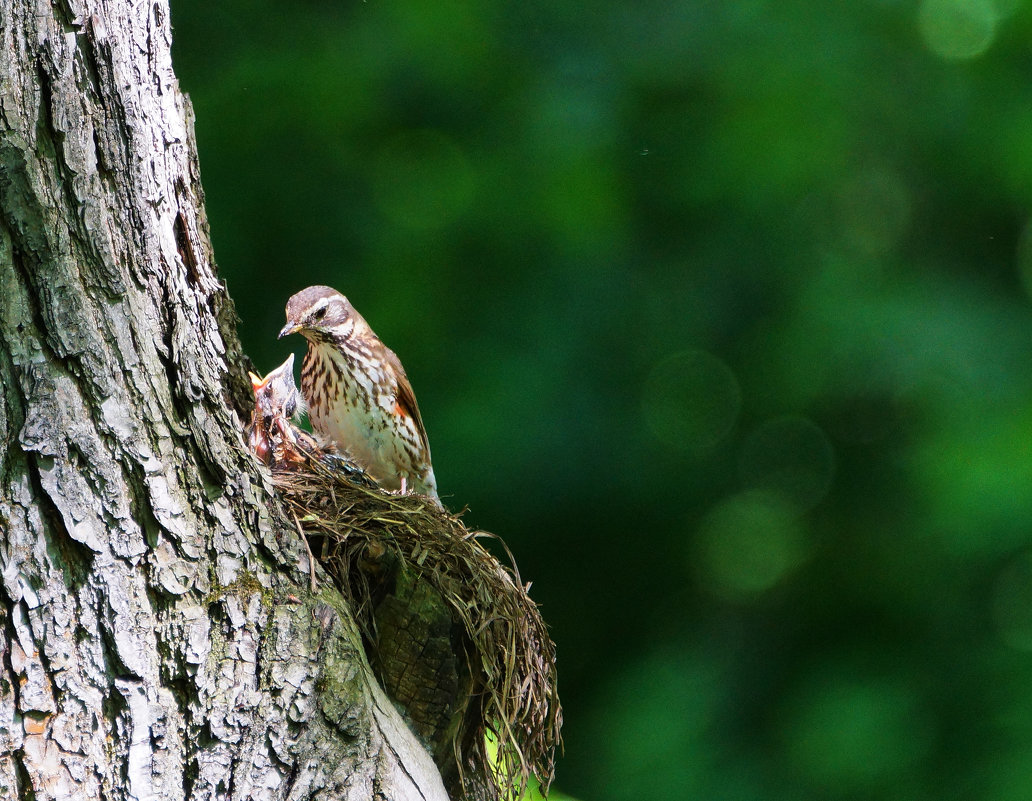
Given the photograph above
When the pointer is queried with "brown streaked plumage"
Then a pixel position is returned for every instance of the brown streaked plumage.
(357, 392)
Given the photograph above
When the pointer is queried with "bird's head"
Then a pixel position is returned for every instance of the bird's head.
(277, 394)
(319, 313)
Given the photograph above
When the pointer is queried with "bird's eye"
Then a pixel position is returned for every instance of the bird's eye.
(319, 313)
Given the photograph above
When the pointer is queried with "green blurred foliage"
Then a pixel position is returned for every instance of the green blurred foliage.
(719, 313)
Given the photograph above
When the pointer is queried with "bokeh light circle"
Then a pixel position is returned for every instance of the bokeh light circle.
(791, 456)
(691, 400)
(748, 544)
(957, 30)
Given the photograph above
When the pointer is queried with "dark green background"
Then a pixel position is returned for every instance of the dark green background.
(718, 313)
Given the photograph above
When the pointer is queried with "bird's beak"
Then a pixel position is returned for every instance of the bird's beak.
(289, 328)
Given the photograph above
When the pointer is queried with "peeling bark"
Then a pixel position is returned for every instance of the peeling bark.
(157, 638)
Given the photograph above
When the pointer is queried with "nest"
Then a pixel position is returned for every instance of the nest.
(503, 681)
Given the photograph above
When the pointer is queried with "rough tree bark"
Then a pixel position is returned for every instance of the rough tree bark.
(158, 639)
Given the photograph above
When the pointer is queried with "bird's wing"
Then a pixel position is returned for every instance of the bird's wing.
(405, 397)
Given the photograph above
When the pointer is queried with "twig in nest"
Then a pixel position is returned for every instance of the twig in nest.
(313, 585)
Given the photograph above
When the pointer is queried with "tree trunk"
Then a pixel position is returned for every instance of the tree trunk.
(158, 637)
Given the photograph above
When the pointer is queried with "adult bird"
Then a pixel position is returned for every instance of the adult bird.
(357, 392)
